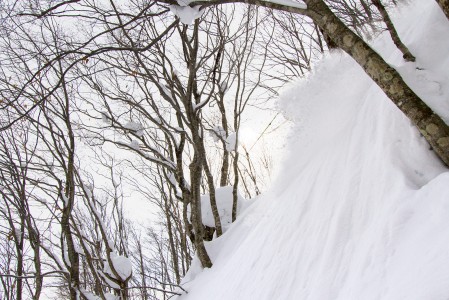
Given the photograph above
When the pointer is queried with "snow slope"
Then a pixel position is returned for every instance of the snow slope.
(361, 210)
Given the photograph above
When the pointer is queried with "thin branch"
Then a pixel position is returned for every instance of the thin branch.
(33, 276)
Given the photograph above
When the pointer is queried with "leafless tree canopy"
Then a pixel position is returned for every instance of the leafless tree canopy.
(106, 102)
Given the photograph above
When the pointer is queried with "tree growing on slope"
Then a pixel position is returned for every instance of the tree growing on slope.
(431, 126)
(124, 69)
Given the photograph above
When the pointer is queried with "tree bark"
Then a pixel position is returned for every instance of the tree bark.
(171, 239)
(444, 4)
(195, 205)
(406, 54)
(69, 245)
(224, 167)
(73, 263)
(212, 196)
(329, 42)
(35, 244)
(235, 186)
(19, 239)
(432, 127)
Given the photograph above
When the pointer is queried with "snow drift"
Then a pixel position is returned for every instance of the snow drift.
(361, 210)
(224, 199)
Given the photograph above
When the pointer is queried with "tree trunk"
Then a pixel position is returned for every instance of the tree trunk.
(172, 247)
(212, 197)
(433, 128)
(444, 4)
(195, 206)
(224, 123)
(329, 42)
(35, 244)
(393, 33)
(235, 186)
(73, 265)
(19, 265)
(224, 167)
(69, 245)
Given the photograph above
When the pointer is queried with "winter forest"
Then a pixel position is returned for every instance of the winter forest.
(142, 149)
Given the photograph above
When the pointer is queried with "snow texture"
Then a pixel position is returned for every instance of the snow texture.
(290, 3)
(88, 189)
(223, 87)
(135, 127)
(134, 144)
(121, 264)
(105, 118)
(172, 179)
(231, 142)
(186, 14)
(224, 199)
(218, 133)
(109, 296)
(197, 106)
(64, 199)
(65, 253)
(361, 209)
(91, 296)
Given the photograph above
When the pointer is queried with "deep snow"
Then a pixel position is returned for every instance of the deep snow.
(361, 208)
(224, 199)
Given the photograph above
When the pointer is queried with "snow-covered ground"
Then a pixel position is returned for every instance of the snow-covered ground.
(361, 208)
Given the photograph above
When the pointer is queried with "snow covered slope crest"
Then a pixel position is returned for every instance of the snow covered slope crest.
(361, 209)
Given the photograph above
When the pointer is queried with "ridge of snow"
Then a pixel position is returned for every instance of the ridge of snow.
(361, 209)
(224, 199)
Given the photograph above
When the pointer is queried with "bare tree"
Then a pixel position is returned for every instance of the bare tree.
(142, 81)
(433, 128)
(15, 165)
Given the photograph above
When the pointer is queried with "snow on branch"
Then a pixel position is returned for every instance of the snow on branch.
(198, 106)
(122, 266)
(218, 134)
(231, 142)
(224, 198)
(300, 5)
(186, 14)
(188, 11)
(137, 128)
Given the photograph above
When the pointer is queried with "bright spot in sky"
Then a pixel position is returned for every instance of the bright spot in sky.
(247, 137)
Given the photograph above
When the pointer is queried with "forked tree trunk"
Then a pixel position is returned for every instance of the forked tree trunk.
(196, 166)
(433, 128)
(444, 4)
